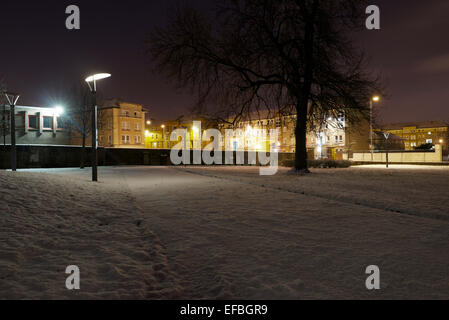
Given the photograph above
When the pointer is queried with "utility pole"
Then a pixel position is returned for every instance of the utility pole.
(373, 99)
(12, 100)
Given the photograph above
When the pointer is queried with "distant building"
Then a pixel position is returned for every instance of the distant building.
(120, 125)
(34, 126)
(158, 134)
(415, 134)
(335, 139)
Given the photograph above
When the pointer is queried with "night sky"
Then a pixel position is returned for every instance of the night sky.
(41, 59)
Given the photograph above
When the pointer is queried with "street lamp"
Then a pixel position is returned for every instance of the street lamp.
(58, 110)
(93, 88)
(373, 99)
(12, 101)
(163, 136)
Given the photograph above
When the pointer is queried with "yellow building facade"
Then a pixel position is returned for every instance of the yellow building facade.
(420, 133)
(120, 125)
(254, 133)
(158, 136)
(335, 139)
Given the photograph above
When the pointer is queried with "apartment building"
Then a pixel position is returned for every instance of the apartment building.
(415, 134)
(120, 125)
(333, 140)
(158, 134)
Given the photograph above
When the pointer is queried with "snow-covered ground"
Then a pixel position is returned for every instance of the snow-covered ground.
(226, 233)
(49, 222)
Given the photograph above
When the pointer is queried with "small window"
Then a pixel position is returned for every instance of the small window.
(32, 122)
(125, 125)
(60, 122)
(125, 139)
(48, 123)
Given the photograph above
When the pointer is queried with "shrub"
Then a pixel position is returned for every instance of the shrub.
(324, 163)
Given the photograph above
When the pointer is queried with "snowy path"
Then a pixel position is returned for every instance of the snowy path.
(252, 239)
(229, 233)
(398, 191)
(48, 222)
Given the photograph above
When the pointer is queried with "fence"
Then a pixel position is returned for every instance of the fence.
(35, 156)
(419, 156)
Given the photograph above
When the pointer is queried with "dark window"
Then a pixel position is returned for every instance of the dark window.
(32, 122)
(60, 121)
(48, 122)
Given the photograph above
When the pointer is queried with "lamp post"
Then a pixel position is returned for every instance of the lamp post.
(163, 136)
(387, 136)
(94, 131)
(12, 100)
(373, 99)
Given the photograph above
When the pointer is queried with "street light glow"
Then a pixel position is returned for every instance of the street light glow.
(376, 98)
(58, 110)
(98, 76)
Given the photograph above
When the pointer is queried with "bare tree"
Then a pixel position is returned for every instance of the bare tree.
(269, 54)
(80, 102)
(79, 112)
(4, 125)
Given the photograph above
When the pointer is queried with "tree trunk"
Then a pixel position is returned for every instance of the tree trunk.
(301, 139)
(83, 152)
(302, 95)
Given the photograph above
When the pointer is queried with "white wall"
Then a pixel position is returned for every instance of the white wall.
(401, 157)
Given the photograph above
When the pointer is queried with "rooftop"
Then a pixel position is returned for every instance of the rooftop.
(418, 125)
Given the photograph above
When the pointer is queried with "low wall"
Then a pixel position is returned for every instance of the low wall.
(34, 156)
(400, 156)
